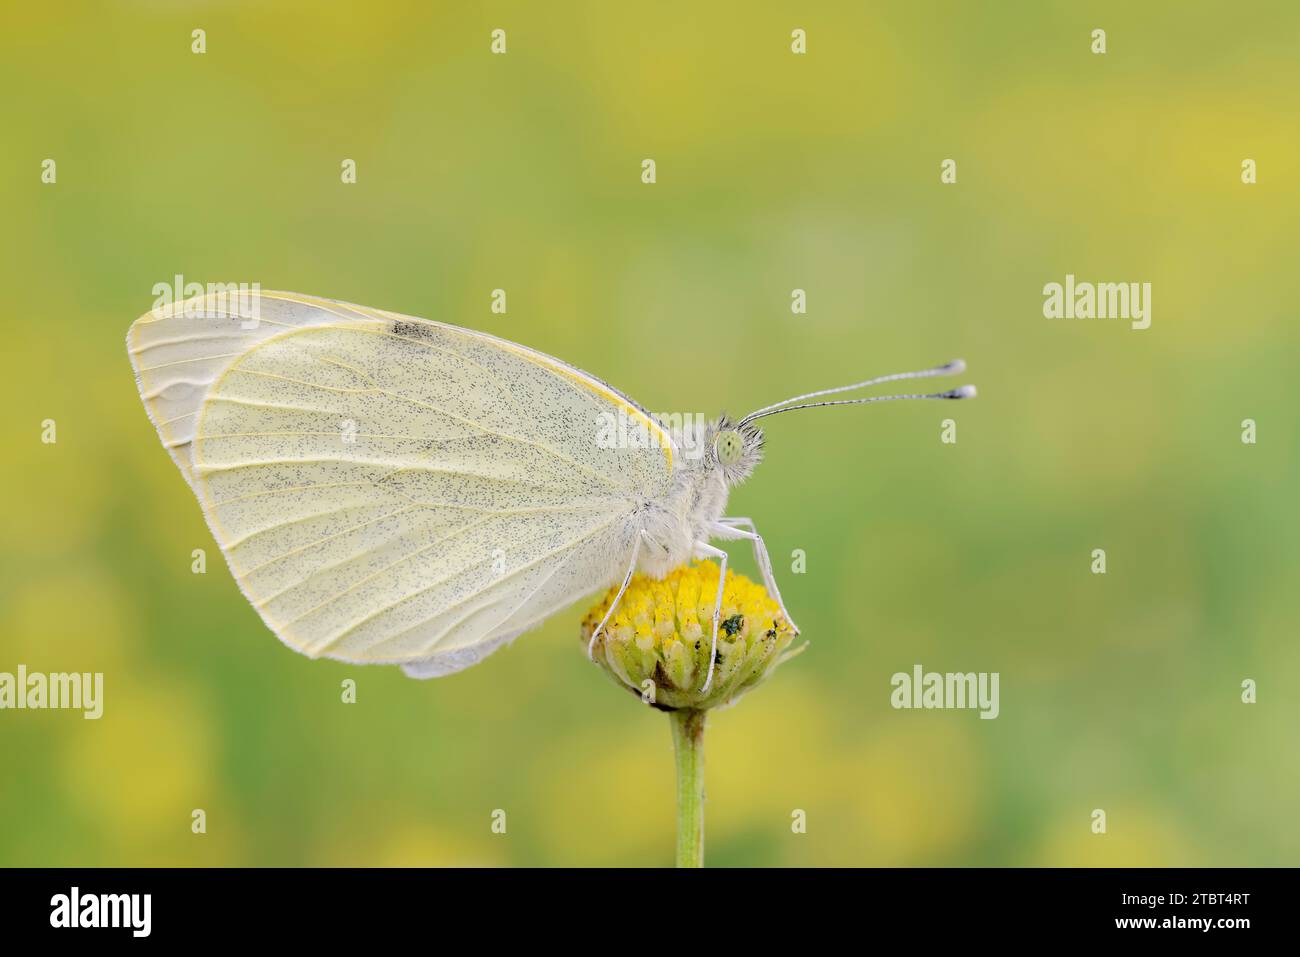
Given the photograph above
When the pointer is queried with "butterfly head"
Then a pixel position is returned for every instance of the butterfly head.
(735, 448)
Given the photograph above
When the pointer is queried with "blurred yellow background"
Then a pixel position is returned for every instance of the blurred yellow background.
(775, 172)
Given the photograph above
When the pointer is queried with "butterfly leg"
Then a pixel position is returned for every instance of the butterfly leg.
(627, 580)
(704, 549)
(736, 528)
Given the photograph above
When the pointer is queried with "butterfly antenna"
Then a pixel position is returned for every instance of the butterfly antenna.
(948, 368)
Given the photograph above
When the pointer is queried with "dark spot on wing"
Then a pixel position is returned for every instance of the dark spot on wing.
(412, 330)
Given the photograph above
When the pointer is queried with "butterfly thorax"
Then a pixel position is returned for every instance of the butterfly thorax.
(698, 496)
(672, 525)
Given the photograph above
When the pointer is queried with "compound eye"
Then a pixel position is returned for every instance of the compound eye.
(729, 445)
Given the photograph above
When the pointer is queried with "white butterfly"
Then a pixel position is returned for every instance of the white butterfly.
(388, 489)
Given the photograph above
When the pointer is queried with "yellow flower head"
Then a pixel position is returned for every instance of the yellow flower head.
(657, 642)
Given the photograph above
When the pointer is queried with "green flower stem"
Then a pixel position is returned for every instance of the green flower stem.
(688, 743)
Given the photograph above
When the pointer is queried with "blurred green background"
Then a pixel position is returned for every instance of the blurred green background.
(775, 172)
